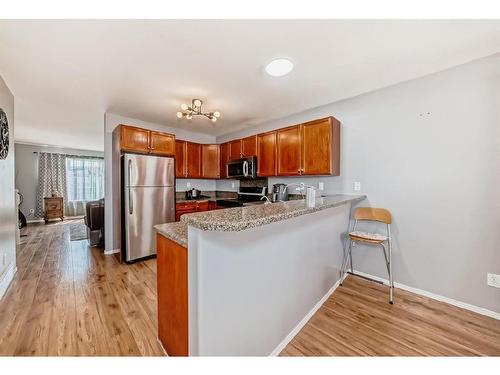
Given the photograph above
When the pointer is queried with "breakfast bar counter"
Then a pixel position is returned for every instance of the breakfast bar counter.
(241, 281)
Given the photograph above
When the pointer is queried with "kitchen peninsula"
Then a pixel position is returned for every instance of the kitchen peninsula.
(242, 281)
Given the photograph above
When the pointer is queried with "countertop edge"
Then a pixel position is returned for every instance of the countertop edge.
(231, 226)
(176, 232)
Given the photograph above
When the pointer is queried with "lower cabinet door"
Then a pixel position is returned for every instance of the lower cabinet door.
(203, 206)
(172, 291)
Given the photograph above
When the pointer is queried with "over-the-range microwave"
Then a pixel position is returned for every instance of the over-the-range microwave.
(242, 168)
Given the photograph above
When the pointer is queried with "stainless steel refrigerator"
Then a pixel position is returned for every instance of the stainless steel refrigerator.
(148, 198)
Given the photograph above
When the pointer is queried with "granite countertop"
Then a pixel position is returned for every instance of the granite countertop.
(176, 232)
(241, 218)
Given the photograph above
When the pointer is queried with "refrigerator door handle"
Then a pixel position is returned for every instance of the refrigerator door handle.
(130, 200)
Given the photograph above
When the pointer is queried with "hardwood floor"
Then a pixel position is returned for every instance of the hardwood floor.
(71, 300)
(357, 321)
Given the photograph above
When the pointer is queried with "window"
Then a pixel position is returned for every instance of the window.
(84, 178)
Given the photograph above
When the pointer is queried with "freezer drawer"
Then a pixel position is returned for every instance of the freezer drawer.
(147, 170)
(144, 208)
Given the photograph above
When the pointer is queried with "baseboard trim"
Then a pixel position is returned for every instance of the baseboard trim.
(437, 297)
(111, 252)
(304, 321)
(6, 279)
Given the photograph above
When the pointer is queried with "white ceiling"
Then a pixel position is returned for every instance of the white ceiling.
(66, 74)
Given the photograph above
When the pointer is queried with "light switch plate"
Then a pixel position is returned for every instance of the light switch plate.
(188, 184)
(321, 186)
(357, 186)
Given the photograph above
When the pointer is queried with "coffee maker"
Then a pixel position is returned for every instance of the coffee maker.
(280, 193)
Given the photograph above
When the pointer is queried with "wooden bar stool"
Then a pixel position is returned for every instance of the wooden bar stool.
(371, 214)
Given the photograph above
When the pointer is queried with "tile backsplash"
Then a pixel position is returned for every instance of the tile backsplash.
(181, 184)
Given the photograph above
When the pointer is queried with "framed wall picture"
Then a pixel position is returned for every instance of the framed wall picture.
(4, 135)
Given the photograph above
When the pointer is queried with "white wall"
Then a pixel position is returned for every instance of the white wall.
(8, 216)
(428, 150)
(111, 121)
(27, 171)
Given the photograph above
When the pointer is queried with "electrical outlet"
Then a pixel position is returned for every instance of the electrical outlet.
(357, 186)
(188, 184)
(32, 211)
(233, 184)
(321, 186)
(493, 280)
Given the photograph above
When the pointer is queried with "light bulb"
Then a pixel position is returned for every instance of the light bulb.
(214, 119)
(179, 114)
(197, 102)
(184, 107)
(217, 114)
(189, 116)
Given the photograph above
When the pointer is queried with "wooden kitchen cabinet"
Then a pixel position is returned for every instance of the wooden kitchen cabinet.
(193, 160)
(180, 159)
(134, 139)
(172, 294)
(184, 208)
(144, 141)
(190, 207)
(235, 151)
(162, 143)
(321, 147)
(210, 161)
(266, 154)
(249, 146)
(224, 158)
(202, 206)
(289, 151)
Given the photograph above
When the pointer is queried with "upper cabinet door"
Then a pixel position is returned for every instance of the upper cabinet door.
(162, 143)
(134, 139)
(249, 146)
(266, 154)
(321, 147)
(289, 149)
(224, 157)
(193, 160)
(235, 151)
(210, 161)
(180, 159)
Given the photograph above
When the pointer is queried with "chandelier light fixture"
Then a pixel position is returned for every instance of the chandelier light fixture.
(188, 111)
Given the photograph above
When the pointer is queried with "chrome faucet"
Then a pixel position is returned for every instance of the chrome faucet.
(267, 199)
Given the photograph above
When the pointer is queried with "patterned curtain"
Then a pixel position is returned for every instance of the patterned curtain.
(85, 182)
(51, 178)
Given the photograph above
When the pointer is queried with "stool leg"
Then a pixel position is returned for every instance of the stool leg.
(391, 281)
(350, 256)
(344, 263)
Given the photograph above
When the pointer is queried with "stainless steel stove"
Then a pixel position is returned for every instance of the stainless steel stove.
(247, 196)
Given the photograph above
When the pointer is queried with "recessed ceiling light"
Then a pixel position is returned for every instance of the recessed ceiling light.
(279, 67)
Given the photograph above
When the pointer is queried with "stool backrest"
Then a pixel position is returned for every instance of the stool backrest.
(374, 214)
